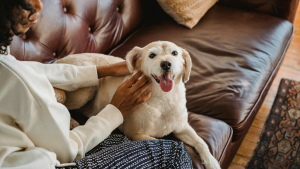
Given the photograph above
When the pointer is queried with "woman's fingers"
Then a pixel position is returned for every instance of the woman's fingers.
(133, 79)
(141, 90)
(139, 83)
(143, 99)
(128, 95)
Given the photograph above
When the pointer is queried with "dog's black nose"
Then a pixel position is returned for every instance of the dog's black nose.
(165, 65)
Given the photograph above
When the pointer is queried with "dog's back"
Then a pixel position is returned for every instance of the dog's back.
(77, 99)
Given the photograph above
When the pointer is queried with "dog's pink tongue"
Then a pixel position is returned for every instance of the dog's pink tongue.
(166, 82)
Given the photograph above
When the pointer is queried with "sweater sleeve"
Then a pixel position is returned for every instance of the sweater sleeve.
(54, 135)
(65, 76)
(14, 157)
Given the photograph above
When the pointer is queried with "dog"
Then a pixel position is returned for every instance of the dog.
(169, 67)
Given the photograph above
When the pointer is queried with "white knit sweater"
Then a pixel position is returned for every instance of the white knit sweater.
(34, 128)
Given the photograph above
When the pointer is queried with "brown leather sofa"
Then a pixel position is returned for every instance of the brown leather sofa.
(236, 50)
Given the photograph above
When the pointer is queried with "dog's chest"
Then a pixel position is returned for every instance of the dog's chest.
(166, 115)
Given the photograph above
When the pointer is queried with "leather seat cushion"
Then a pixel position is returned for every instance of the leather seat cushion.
(234, 54)
(216, 133)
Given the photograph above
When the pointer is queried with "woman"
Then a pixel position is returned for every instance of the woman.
(34, 128)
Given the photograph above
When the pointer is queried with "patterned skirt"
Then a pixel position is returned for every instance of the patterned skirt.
(117, 151)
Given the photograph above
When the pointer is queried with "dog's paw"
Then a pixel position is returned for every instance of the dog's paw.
(210, 162)
(73, 124)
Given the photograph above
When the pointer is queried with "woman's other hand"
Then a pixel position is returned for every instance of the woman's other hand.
(128, 95)
(117, 69)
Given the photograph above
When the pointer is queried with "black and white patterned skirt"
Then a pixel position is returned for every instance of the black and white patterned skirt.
(117, 151)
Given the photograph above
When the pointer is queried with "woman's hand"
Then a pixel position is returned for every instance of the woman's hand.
(128, 95)
(117, 69)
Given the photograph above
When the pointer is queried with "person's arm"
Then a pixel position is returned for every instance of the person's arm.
(117, 69)
(65, 76)
(70, 77)
(12, 157)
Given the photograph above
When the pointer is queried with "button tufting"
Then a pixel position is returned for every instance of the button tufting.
(90, 29)
(118, 9)
(54, 54)
(65, 9)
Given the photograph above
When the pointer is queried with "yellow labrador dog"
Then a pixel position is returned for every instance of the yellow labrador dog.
(168, 66)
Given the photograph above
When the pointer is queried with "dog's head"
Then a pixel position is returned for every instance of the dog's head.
(163, 61)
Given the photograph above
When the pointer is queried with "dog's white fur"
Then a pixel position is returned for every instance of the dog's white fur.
(163, 113)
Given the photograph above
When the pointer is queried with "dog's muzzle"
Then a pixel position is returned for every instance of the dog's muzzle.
(156, 79)
(166, 81)
(166, 65)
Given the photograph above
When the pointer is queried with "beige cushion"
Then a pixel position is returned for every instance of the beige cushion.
(186, 12)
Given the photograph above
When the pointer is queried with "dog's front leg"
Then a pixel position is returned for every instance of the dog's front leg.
(190, 137)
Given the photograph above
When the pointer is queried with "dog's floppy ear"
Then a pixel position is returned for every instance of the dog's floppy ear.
(132, 57)
(187, 65)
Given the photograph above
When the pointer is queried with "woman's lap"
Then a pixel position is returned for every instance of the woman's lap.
(117, 151)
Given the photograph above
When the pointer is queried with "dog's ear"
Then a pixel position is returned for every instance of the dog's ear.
(187, 65)
(132, 57)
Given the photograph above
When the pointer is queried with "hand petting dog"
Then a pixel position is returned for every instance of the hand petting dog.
(128, 94)
(116, 69)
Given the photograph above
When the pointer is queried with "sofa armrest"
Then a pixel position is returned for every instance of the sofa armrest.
(285, 9)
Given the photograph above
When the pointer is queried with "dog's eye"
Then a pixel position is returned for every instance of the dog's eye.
(174, 53)
(152, 55)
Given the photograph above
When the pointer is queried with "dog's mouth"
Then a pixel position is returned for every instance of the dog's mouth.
(165, 81)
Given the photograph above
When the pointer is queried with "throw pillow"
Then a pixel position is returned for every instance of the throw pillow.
(186, 12)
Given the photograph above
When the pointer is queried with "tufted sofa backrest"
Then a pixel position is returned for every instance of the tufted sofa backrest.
(77, 26)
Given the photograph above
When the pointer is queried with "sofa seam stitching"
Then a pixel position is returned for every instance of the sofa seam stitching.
(228, 142)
